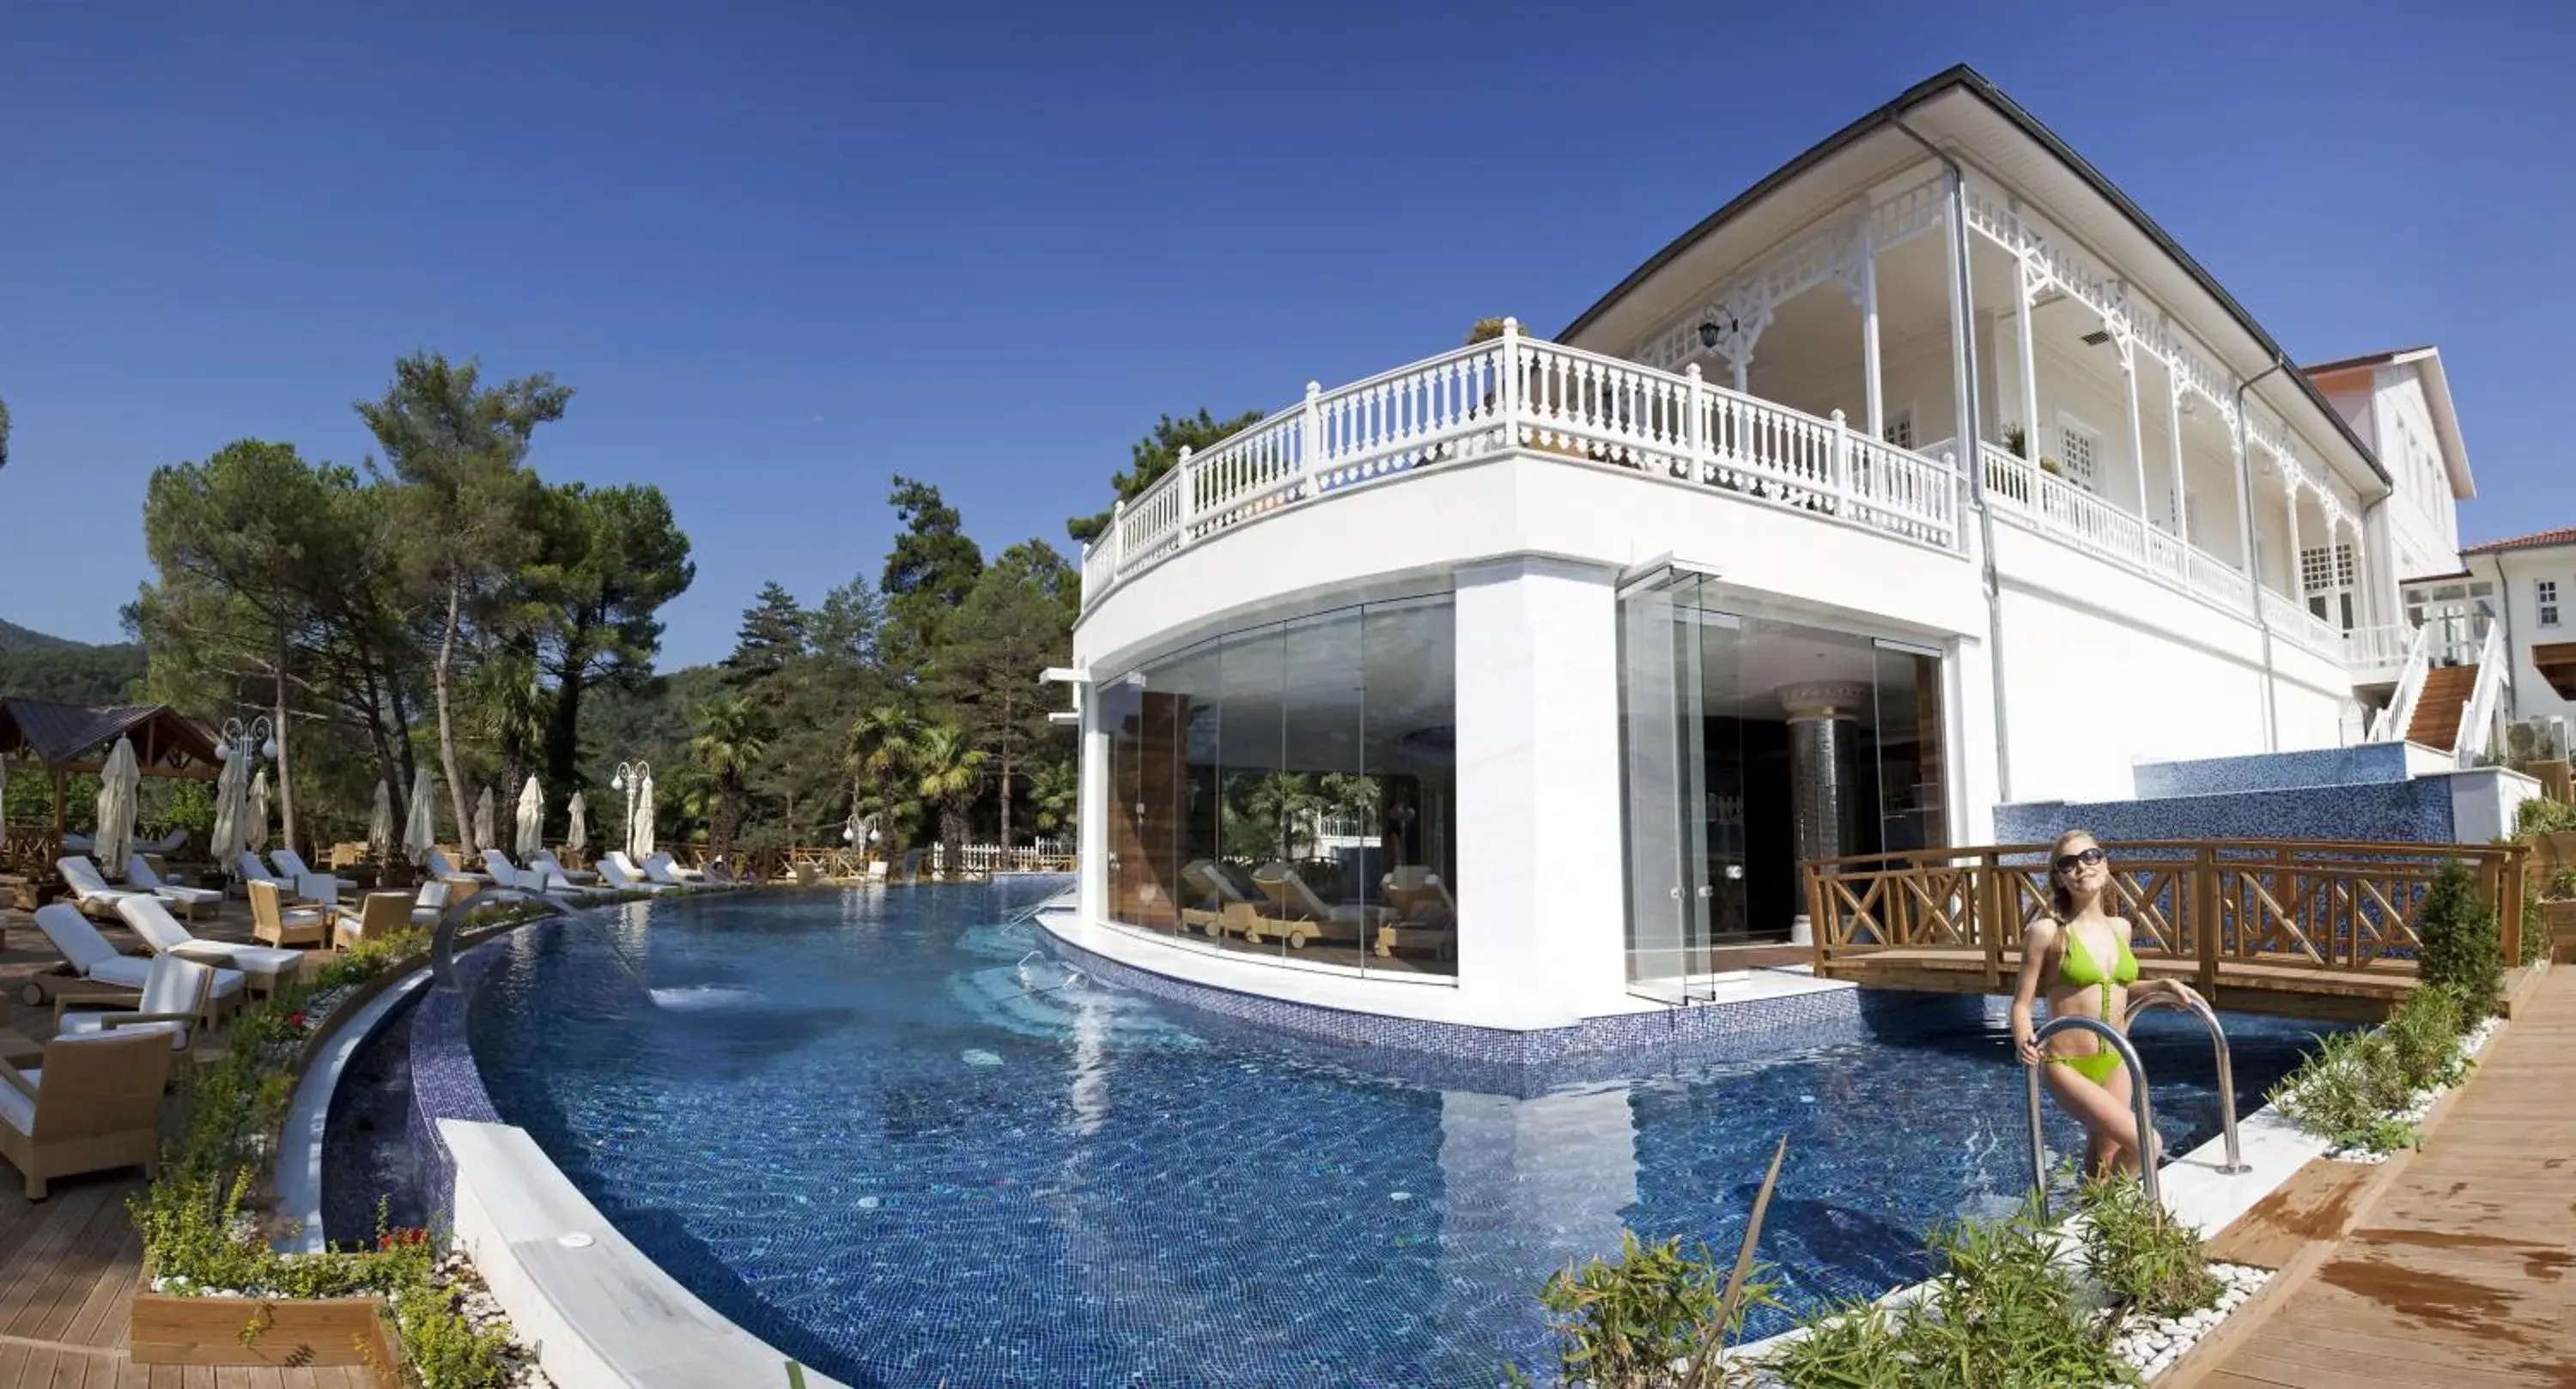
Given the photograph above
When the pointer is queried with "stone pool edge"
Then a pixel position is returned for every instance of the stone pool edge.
(599, 1313)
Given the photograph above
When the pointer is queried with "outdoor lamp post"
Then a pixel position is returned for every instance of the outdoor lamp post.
(245, 738)
(629, 778)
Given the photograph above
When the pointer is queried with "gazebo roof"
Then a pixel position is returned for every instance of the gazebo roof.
(70, 738)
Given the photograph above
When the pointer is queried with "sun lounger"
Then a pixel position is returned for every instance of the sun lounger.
(89, 887)
(278, 924)
(93, 1105)
(442, 867)
(612, 867)
(431, 904)
(175, 1000)
(1301, 916)
(661, 869)
(249, 869)
(96, 963)
(545, 859)
(293, 866)
(138, 871)
(163, 935)
(1227, 900)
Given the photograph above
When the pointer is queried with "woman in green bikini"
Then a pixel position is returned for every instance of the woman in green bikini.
(2082, 954)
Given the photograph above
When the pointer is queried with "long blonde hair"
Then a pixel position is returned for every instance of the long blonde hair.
(2061, 903)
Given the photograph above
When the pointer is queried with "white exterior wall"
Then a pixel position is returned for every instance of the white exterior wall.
(2423, 517)
(2518, 574)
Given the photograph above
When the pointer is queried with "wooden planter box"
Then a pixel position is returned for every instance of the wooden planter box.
(163, 1330)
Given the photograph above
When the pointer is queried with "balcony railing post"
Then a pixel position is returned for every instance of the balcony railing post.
(1118, 537)
(1838, 469)
(1695, 426)
(1189, 494)
(1310, 437)
(1512, 385)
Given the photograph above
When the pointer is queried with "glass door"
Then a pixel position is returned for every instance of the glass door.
(1683, 760)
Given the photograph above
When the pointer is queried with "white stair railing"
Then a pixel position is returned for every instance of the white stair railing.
(2393, 721)
(2477, 724)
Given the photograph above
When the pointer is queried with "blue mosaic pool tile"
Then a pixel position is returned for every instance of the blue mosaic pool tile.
(2356, 765)
(445, 1082)
(2410, 812)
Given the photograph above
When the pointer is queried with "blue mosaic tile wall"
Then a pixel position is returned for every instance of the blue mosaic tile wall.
(444, 1081)
(1497, 1060)
(2275, 771)
(2411, 812)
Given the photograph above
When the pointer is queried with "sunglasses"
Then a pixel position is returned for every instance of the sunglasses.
(2081, 858)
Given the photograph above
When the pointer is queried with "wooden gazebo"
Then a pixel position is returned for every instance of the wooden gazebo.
(66, 739)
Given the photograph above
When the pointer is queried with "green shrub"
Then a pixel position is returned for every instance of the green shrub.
(2535, 921)
(2459, 947)
(2541, 815)
(2423, 1034)
(2007, 1313)
(2149, 1262)
(1851, 1344)
(2562, 883)
(2345, 1088)
(1625, 1323)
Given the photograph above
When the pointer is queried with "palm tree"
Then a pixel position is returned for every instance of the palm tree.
(726, 743)
(1055, 793)
(879, 756)
(947, 768)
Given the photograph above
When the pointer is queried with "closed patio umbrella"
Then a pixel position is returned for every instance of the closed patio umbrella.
(232, 812)
(117, 785)
(380, 823)
(532, 819)
(577, 834)
(641, 830)
(256, 832)
(420, 826)
(483, 821)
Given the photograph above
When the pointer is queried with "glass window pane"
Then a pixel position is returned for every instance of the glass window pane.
(1410, 741)
(1317, 789)
(1248, 744)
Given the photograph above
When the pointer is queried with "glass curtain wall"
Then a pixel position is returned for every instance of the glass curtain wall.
(1288, 791)
(1750, 747)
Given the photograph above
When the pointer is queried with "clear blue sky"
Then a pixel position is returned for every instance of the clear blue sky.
(784, 252)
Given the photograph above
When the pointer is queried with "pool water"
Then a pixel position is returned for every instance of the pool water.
(846, 1121)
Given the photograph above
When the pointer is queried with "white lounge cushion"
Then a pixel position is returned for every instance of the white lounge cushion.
(80, 943)
(249, 959)
(138, 871)
(85, 881)
(128, 972)
(83, 1023)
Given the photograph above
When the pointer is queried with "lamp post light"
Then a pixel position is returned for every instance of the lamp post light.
(630, 779)
(255, 736)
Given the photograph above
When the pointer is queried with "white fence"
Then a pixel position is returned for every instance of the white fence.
(1515, 391)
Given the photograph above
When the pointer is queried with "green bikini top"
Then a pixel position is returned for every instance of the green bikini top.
(2075, 966)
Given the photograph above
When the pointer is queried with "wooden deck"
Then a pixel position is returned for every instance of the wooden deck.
(2362, 995)
(2457, 1270)
(69, 1263)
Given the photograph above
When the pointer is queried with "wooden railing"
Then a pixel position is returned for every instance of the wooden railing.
(2334, 908)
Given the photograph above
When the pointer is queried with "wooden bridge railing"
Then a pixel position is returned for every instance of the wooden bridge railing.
(2331, 907)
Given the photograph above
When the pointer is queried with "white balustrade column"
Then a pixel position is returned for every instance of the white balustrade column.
(1310, 438)
(1539, 793)
(1189, 498)
(2245, 516)
(2137, 440)
(1873, 387)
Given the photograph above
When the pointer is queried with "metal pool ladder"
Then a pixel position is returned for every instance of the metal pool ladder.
(2140, 1104)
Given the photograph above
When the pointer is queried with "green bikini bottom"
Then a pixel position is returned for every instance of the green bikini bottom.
(2096, 1068)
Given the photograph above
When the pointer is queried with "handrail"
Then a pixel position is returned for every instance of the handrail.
(2199, 1008)
(2139, 1105)
(2477, 721)
(2394, 720)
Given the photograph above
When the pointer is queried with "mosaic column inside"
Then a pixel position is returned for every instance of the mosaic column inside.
(1824, 725)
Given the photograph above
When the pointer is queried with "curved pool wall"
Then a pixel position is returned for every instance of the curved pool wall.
(1380, 1213)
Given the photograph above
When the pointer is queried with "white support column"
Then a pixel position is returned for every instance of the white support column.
(2026, 289)
(1091, 801)
(2137, 437)
(2296, 579)
(2245, 515)
(2181, 483)
(1962, 379)
(1869, 360)
(1539, 793)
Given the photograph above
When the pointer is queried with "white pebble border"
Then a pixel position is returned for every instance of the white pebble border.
(2153, 1346)
(2422, 1104)
(482, 1311)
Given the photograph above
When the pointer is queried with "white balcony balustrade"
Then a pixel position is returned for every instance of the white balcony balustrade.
(1514, 391)
(2039, 500)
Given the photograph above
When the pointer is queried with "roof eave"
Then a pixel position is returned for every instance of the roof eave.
(1965, 78)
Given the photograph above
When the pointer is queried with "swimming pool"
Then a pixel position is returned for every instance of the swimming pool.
(844, 1121)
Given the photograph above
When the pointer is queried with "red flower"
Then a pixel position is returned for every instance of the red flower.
(295, 1019)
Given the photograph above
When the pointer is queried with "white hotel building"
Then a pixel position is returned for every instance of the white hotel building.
(1926, 476)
